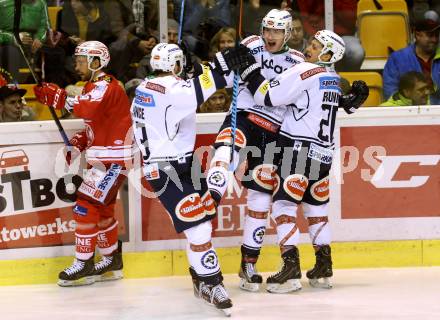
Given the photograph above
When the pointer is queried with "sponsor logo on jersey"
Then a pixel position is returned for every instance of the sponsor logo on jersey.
(297, 53)
(151, 171)
(258, 234)
(144, 99)
(250, 40)
(312, 72)
(269, 64)
(224, 137)
(206, 80)
(82, 211)
(110, 176)
(155, 87)
(263, 175)
(208, 203)
(263, 123)
(320, 190)
(320, 154)
(257, 50)
(295, 186)
(209, 260)
(274, 83)
(264, 88)
(190, 208)
(329, 83)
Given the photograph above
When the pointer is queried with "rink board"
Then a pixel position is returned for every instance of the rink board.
(384, 209)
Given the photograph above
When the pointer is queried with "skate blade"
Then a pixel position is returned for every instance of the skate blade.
(324, 284)
(109, 276)
(77, 283)
(227, 312)
(249, 286)
(291, 285)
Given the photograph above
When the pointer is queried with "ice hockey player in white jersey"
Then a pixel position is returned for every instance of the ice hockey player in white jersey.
(257, 130)
(164, 123)
(311, 90)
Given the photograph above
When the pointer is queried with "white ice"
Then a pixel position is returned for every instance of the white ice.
(401, 293)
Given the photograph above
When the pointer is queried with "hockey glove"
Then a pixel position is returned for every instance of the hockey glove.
(51, 94)
(232, 59)
(355, 98)
(188, 65)
(79, 144)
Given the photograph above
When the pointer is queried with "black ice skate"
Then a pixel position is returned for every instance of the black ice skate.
(250, 280)
(288, 278)
(214, 295)
(80, 273)
(110, 267)
(322, 269)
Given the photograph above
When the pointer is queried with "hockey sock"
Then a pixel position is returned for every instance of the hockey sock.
(319, 230)
(85, 242)
(203, 259)
(287, 230)
(254, 230)
(107, 239)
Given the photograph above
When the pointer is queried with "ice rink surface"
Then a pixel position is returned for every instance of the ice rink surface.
(401, 293)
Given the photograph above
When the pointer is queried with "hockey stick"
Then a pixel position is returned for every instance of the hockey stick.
(234, 98)
(16, 30)
(179, 36)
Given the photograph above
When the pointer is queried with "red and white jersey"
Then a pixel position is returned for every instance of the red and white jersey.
(312, 94)
(272, 65)
(105, 108)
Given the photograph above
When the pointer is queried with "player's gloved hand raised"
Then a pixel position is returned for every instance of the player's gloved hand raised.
(50, 94)
(355, 98)
(233, 58)
(78, 144)
(188, 64)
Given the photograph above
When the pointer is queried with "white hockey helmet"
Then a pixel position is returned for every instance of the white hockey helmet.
(278, 19)
(92, 50)
(164, 56)
(332, 43)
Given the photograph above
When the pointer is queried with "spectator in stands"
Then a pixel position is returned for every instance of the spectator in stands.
(297, 39)
(11, 105)
(422, 56)
(224, 38)
(344, 12)
(218, 102)
(413, 91)
(34, 23)
(130, 88)
(144, 68)
(253, 13)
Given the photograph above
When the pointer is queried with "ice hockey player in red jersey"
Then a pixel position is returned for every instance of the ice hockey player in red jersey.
(107, 144)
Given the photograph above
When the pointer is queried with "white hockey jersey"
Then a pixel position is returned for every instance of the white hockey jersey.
(312, 94)
(164, 114)
(271, 66)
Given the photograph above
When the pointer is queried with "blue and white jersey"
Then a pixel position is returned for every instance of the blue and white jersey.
(311, 93)
(164, 114)
(272, 65)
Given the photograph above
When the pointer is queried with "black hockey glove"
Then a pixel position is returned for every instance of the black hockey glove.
(232, 59)
(355, 98)
(188, 63)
